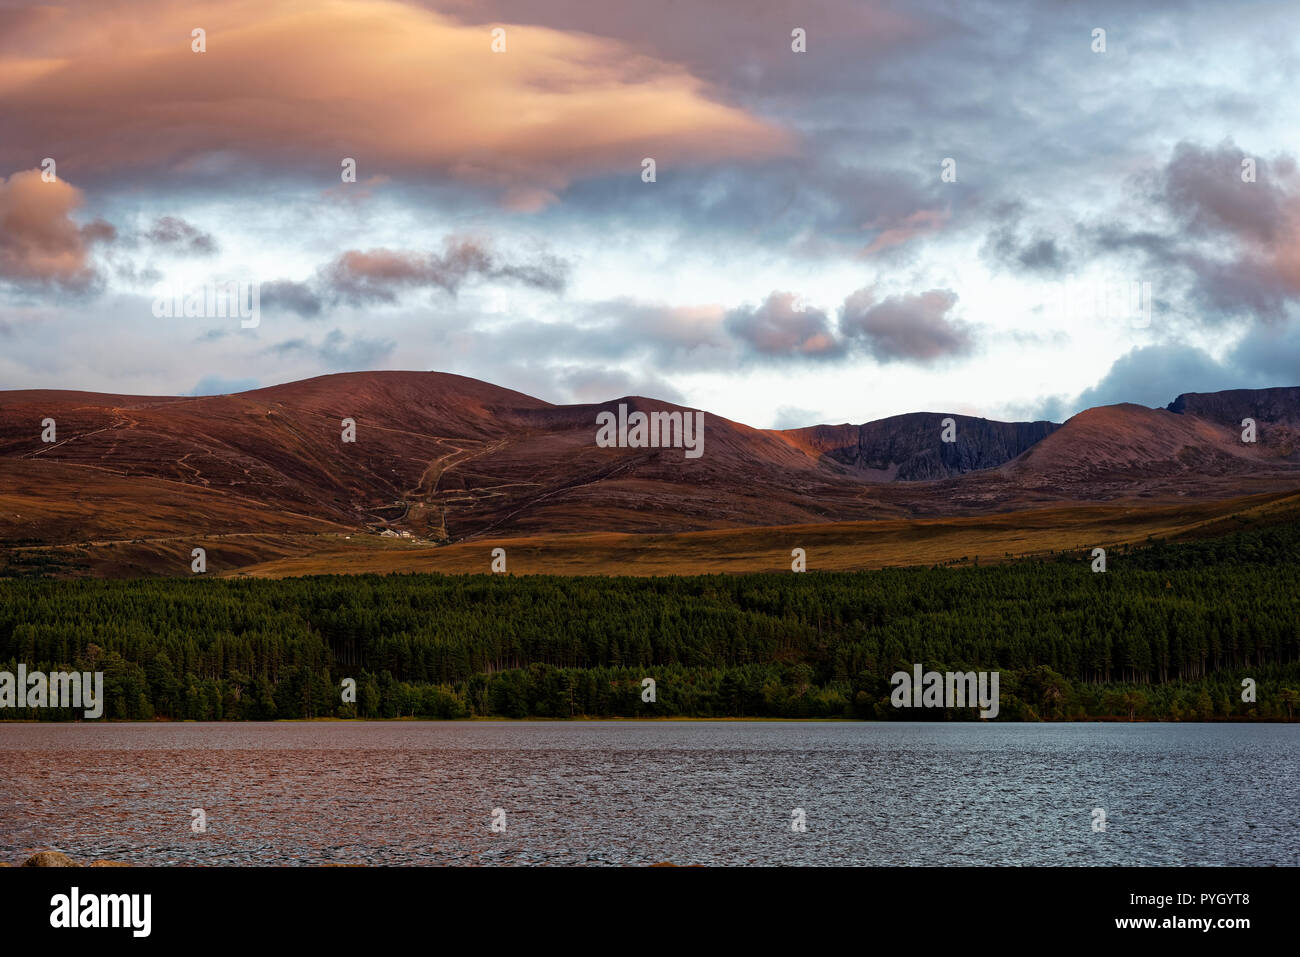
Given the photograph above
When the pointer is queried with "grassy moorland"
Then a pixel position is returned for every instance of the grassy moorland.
(830, 546)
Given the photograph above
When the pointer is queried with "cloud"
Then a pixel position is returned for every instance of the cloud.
(792, 417)
(848, 37)
(921, 222)
(913, 327)
(1204, 187)
(290, 296)
(1233, 245)
(836, 186)
(39, 242)
(1008, 245)
(611, 334)
(179, 236)
(710, 338)
(783, 328)
(400, 88)
(380, 275)
(1258, 223)
(599, 385)
(674, 335)
(126, 270)
(1155, 375)
(337, 352)
(383, 276)
(1266, 356)
(812, 206)
(219, 385)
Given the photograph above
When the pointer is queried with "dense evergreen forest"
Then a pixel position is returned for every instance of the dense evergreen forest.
(1167, 633)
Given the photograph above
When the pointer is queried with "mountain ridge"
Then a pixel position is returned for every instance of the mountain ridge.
(445, 458)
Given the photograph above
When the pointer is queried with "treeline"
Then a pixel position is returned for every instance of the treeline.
(1272, 545)
(1168, 632)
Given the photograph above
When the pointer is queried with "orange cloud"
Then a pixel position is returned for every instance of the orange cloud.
(39, 242)
(108, 88)
(919, 223)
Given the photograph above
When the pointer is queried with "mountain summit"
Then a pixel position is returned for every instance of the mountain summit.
(445, 458)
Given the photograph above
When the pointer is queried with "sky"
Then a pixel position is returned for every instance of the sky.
(855, 209)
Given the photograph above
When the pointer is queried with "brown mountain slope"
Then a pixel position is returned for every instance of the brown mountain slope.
(1103, 452)
(445, 458)
(278, 448)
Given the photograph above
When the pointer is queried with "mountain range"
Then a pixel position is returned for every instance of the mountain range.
(442, 460)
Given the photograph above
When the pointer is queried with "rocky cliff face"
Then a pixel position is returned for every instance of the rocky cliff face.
(908, 447)
(1229, 408)
(1276, 413)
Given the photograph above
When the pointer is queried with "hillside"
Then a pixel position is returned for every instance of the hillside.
(443, 459)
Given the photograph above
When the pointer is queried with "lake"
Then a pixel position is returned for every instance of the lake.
(601, 793)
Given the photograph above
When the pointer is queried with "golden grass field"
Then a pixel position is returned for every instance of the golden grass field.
(841, 546)
(835, 546)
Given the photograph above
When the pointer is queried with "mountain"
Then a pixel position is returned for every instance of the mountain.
(904, 447)
(1129, 450)
(1230, 407)
(442, 458)
(1277, 409)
